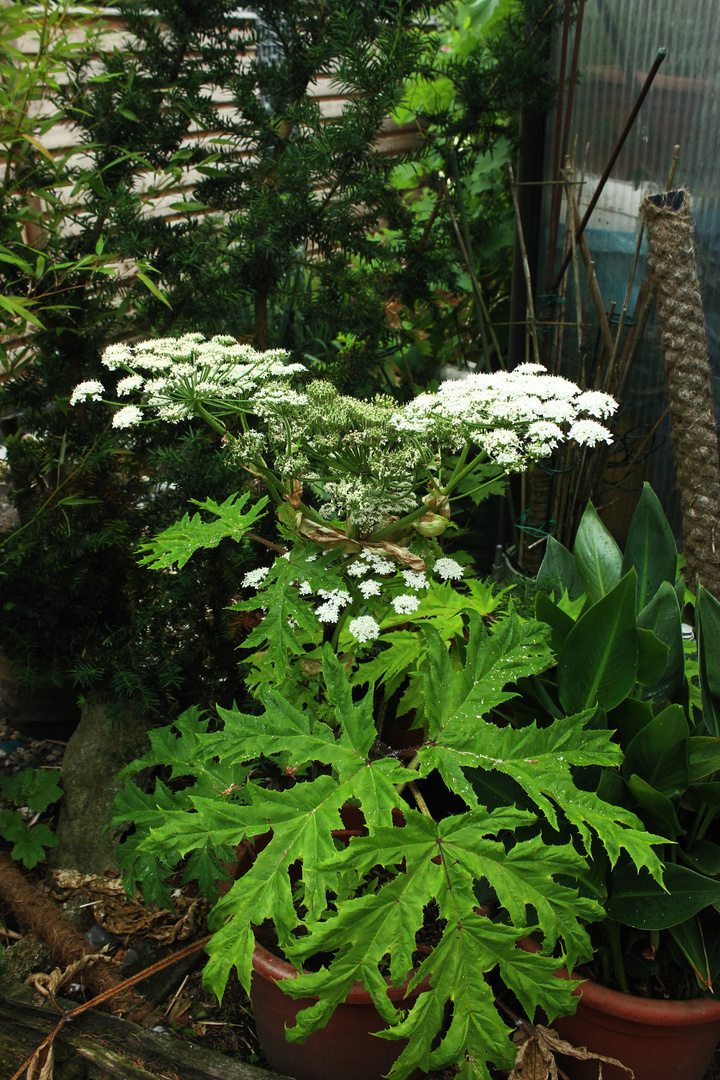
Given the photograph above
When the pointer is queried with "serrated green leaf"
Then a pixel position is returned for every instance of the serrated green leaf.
(276, 635)
(180, 541)
(29, 844)
(366, 928)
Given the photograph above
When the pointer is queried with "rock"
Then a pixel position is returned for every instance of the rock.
(108, 737)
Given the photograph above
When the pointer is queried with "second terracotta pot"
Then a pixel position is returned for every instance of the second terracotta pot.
(658, 1040)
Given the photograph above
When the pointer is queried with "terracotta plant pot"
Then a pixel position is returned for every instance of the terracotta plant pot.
(344, 1050)
(658, 1040)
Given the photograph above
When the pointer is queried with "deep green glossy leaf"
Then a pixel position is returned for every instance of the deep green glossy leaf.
(628, 718)
(704, 856)
(652, 657)
(659, 754)
(558, 572)
(707, 613)
(656, 810)
(559, 621)
(709, 793)
(636, 900)
(703, 756)
(662, 615)
(598, 662)
(688, 937)
(597, 556)
(650, 548)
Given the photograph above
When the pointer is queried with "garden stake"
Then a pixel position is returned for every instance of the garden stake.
(526, 267)
(661, 54)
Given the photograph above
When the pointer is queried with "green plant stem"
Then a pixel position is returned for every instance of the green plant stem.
(421, 804)
(709, 815)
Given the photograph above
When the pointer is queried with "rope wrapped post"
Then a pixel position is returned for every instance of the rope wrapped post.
(687, 371)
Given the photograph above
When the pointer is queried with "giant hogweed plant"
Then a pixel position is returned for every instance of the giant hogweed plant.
(291, 771)
(362, 489)
(364, 596)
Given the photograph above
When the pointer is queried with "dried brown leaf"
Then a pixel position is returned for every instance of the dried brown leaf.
(41, 1066)
(537, 1048)
(50, 984)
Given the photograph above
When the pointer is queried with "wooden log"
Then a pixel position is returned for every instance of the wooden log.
(111, 1046)
(42, 916)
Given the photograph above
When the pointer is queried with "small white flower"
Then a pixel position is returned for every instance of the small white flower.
(328, 612)
(370, 588)
(305, 588)
(357, 568)
(128, 416)
(91, 389)
(589, 432)
(254, 578)
(116, 355)
(405, 604)
(529, 369)
(382, 566)
(448, 569)
(364, 628)
(596, 403)
(414, 580)
(132, 382)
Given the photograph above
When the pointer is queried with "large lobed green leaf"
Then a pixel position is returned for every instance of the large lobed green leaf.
(180, 541)
(370, 930)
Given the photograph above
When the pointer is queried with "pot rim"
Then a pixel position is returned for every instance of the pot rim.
(271, 967)
(660, 1012)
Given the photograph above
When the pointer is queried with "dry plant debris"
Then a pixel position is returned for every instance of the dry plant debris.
(537, 1046)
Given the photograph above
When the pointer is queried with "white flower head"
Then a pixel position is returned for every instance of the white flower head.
(115, 356)
(370, 588)
(595, 403)
(90, 389)
(414, 580)
(589, 432)
(128, 384)
(254, 578)
(406, 604)
(128, 416)
(364, 628)
(448, 569)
